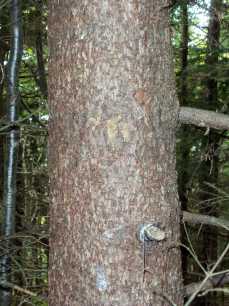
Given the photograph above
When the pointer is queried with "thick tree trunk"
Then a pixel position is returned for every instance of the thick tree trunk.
(113, 112)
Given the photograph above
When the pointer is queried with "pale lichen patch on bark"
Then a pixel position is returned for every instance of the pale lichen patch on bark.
(124, 128)
(94, 122)
(101, 278)
(112, 128)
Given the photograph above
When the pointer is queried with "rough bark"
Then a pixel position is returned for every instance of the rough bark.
(113, 112)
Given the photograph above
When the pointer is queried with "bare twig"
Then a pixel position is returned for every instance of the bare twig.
(3, 74)
(20, 289)
(216, 280)
(224, 290)
(192, 251)
(10, 124)
(207, 277)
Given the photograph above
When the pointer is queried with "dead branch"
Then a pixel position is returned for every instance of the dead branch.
(203, 219)
(203, 118)
(10, 285)
(215, 281)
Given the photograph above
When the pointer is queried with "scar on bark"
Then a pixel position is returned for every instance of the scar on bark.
(141, 97)
(143, 100)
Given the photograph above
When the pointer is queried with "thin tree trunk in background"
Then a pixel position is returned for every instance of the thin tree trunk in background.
(11, 149)
(183, 92)
(212, 56)
(3, 54)
(42, 80)
(41, 65)
(210, 165)
(183, 177)
(113, 112)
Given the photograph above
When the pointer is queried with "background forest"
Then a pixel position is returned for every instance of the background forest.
(201, 55)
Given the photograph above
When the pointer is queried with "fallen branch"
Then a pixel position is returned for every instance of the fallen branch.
(203, 118)
(203, 219)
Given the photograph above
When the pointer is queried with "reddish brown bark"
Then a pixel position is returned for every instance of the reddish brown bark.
(113, 111)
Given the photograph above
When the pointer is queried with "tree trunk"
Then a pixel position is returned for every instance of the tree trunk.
(210, 165)
(183, 91)
(41, 64)
(11, 150)
(3, 54)
(184, 146)
(41, 79)
(113, 113)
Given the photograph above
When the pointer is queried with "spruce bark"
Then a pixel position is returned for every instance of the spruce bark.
(113, 115)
